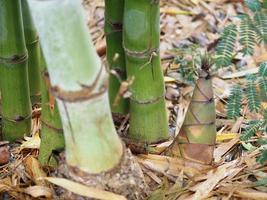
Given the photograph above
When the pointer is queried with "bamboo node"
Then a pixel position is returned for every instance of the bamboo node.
(149, 101)
(86, 92)
(145, 54)
(34, 42)
(115, 26)
(17, 119)
(49, 126)
(15, 59)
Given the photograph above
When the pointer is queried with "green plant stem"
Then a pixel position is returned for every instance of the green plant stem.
(16, 108)
(52, 137)
(115, 54)
(33, 47)
(148, 119)
(79, 84)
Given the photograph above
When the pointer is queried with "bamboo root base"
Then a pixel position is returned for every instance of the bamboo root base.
(126, 179)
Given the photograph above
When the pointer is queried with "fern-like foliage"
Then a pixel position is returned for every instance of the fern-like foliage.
(251, 130)
(263, 157)
(260, 20)
(263, 69)
(247, 35)
(262, 80)
(225, 47)
(234, 102)
(253, 5)
(263, 87)
(185, 69)
(252, 94)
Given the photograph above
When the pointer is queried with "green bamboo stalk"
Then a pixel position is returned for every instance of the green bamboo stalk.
(148, 119)
(16, 108)
(52, 137)
(115, 54)
(32, 44)
(79, 84)
(197, 136)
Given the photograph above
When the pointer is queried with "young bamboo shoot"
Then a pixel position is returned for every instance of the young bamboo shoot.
(196, 139)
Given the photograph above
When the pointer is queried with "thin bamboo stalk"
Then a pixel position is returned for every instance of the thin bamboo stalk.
(15, 97)
(33, 47)
(148, 119)
(115, 54)
(79, 84)
(52, 137)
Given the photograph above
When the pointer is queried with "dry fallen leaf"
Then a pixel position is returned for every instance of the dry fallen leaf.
(83, 190)
(34, 169)
(31, 142)
(203, 189)
(38, 191)
(171, 166)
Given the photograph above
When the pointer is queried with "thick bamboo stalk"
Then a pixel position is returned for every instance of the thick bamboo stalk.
(115, 54)
(16, 109)
(148, 119)
(52, 137)
(32, 44)
(196, 139)
(79, 84)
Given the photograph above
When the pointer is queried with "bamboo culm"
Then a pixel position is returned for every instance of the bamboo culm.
(79, 84)
(115, 54)
(14, 87)
(148, 118)
(52, 138)
(33, 48)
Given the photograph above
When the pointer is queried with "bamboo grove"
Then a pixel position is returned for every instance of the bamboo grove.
(48, 61)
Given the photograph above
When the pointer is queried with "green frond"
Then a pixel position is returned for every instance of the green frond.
(263, 69)
(186, 69)
(262, 159)
(263, 87)
(252, 95)
(234, 102)
(260, 20)
(225, 47)
(247, 35)
(251, 130)
(253, 5)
